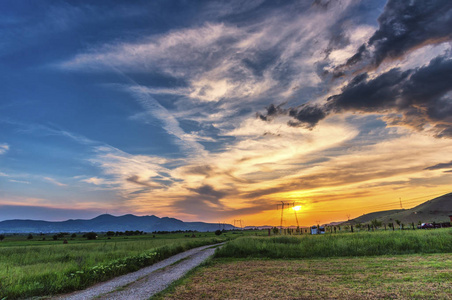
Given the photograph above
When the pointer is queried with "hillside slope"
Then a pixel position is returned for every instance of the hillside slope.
(435, 210)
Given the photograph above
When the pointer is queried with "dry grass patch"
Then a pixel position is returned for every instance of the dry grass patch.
(400, 277)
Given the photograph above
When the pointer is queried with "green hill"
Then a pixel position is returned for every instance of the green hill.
(435, 210)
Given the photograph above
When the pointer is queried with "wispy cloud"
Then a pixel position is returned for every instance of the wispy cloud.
(19, 181)
(4, 148)
(95, 180)
(170, 123)
(54, 181)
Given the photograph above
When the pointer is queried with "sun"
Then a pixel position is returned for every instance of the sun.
(296, 208)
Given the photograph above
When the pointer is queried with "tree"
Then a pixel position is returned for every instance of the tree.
(218, 232)
(30, 237)
(375, 223)
(73, 235)
(398, 222)
(91, 236)
(110, 233)
(2, 237)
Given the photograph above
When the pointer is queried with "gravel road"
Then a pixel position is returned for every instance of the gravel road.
(148, 281)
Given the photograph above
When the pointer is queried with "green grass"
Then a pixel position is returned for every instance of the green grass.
(38, 268)
(335, 245)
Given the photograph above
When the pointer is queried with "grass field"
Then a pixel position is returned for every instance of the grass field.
(44, 267)
(384, 277)
(366, 265)
(383, 264)
(348, 244)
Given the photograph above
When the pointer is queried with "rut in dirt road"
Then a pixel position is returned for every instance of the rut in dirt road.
(148, 281)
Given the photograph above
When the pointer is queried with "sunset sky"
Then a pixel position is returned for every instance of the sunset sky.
(219, 110)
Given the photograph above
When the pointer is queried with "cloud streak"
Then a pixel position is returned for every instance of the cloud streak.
(54, 181)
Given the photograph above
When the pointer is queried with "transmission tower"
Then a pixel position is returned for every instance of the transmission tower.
(238, 222)
(283, 205)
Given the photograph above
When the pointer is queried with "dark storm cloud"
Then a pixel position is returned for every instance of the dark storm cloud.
(272, 111)
(413, 98)
(307, 115)
(363, 95)
(407, 25)
(209, 192)
(440, 166)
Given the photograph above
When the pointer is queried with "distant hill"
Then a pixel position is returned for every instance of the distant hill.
(108, 222)
(435, 210)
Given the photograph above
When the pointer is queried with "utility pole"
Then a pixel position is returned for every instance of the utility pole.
(401, 207)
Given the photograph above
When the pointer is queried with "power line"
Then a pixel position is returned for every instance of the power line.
(383, 205)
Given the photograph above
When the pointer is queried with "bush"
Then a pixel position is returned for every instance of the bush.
(218, 232)
(91, 235)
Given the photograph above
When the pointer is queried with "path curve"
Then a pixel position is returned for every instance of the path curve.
(148, 281)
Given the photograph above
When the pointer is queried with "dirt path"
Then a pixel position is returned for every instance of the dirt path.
(148, 281)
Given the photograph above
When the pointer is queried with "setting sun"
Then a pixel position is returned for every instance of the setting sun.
(296, 208)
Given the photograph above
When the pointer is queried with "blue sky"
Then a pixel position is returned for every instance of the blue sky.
(215, 110)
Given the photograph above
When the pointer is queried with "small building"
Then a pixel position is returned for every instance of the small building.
(317, 230)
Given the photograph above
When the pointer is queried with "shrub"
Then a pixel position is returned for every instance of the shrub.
(91, 235)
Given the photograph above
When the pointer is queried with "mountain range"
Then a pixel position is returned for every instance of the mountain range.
(108, 222)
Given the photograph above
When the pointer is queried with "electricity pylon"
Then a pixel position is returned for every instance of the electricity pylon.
(282, 205)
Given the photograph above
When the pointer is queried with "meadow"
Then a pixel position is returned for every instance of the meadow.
(338, 263)
(43, 266)
(344, 244)
(410, 264)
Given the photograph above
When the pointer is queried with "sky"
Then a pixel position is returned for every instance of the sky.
(217, 111)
